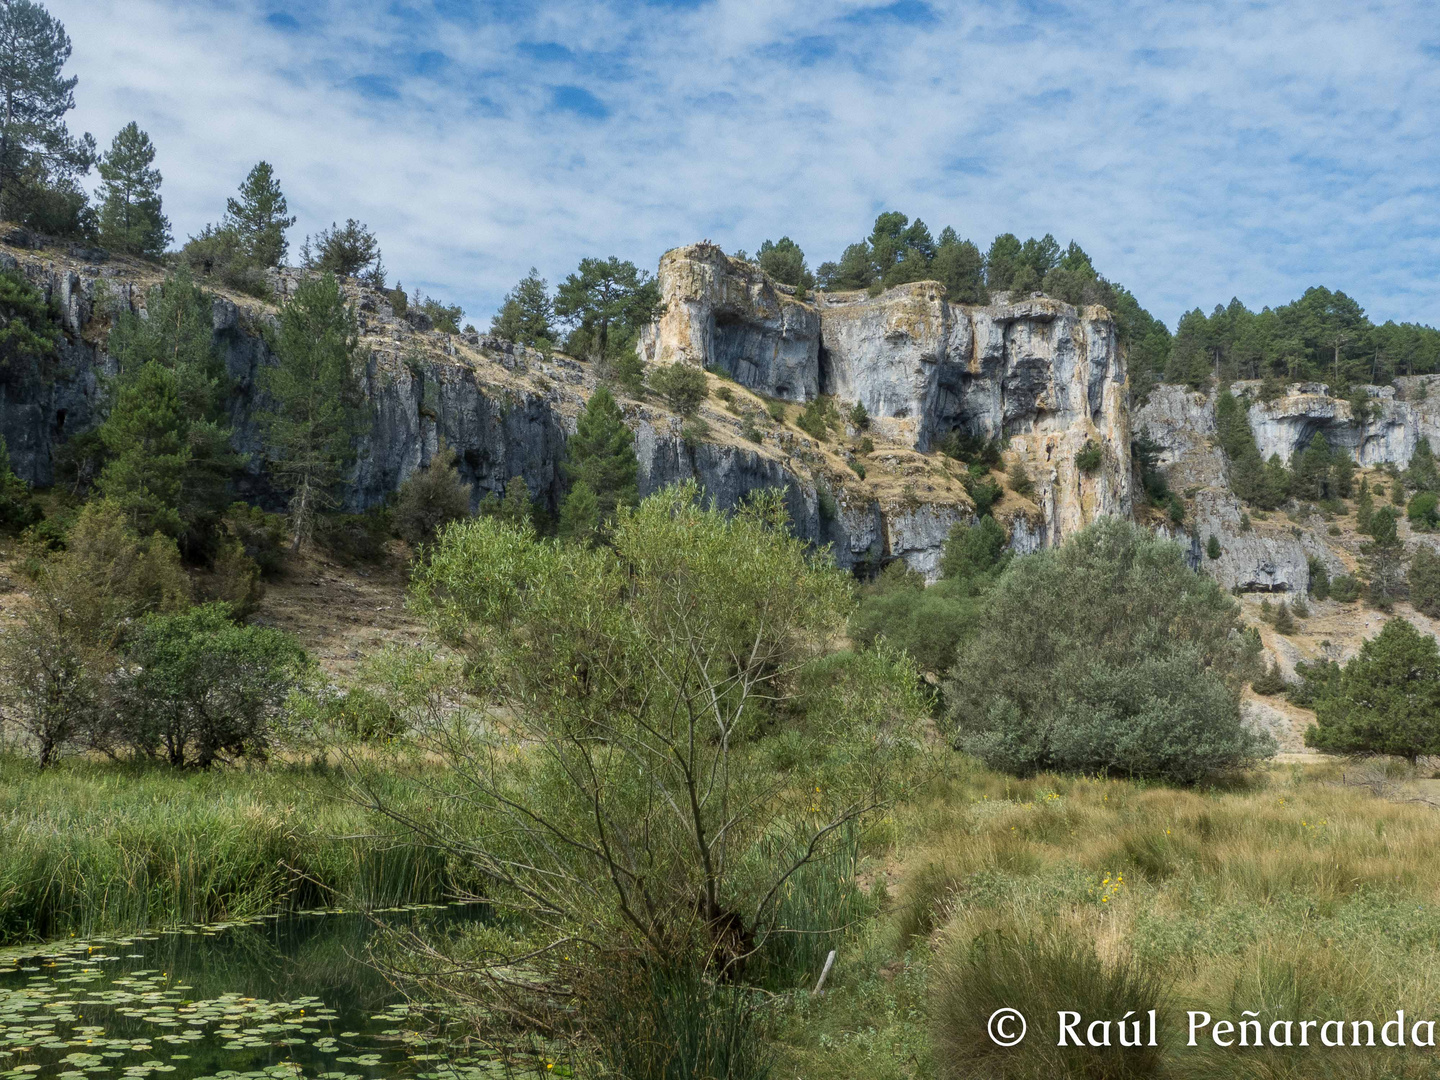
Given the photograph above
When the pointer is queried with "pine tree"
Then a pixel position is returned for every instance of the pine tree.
(34, 141)
(1212, 547)
(526, 317)
(144, 436)
(1383, 558)
(169, 354)
(1364, 507)
(580, 515)
(316, 409)
(1284, 624)
(1386, 700)
(130, 212)
(601, 454)
(259, 217)
(27, 332)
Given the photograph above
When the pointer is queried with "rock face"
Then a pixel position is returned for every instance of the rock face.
(1259, 559)
(1388, 434)
(725, 314)
(1040, 372)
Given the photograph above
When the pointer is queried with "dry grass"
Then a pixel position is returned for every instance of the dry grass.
(1297, 893)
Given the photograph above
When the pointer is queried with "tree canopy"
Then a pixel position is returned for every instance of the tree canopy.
(130, 205)
(1386, 700)
(37, 150)
(1107, 654)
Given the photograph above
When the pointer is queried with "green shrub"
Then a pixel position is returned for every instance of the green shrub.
(751, 430)
(1284, 624)
(928, 623)
(361, 714)
(1386, 700)
(1319, 579)
(1346, 589)
(198, 689)
(817, 417)
(865, 446)
(1107, 654)
(234, 579)
(1040, 977)
(18, 510)
(984, 491)
(355, 538)
(859, 417)
(694, 432)
(261, 535)
(1271, 682)
(1425, 581)
(683, 386)
(1089, 459)
(1212, 547)
(1019, 480)
(825, 505)
(858, 468)
(431, 498)
(776, 409)
(1422, 510)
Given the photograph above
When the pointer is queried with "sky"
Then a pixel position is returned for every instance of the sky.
(1198, 150)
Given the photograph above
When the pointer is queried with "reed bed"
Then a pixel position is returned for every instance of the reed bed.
(91, 847)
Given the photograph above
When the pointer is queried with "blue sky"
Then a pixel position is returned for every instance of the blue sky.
(1198, 150)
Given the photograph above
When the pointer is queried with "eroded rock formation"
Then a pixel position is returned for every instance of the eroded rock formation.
(1394, 423)
(1041, 373)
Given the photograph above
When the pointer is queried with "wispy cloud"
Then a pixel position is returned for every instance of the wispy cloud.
(1197, 150)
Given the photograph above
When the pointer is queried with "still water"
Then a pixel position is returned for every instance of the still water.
(268, 999)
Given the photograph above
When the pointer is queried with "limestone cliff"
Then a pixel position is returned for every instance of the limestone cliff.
(507, 411)
(1260, 557)
(1046, 376)
(1397, 418)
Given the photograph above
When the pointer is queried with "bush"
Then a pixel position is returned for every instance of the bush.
(1319, 579)
(431, 498)
(680, 652)
(1212, 547)
(1386, 700)
(928, 623)
(984, 492)
(865, 446)
(196, 688)
(1422, 511)
(1019, 480)
(355, 538)
(859, 417)
(683, 386)
(694, 432)
(1040, 978)
(1425, 581)
(817, 418)
(234, 579)
(1271, 682)
(261, 535)
(1345, 589)
(18, 510)
(751, 430)
(359, 713)
(776, 409)
(1106, 655)
(1284, 624)
(1089, 459)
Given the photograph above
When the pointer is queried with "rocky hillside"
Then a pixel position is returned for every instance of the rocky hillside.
(1047, 378)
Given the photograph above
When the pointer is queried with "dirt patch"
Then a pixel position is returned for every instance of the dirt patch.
(341, 614)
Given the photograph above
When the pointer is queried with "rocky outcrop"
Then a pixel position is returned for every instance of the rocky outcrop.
(1388, 432)
(725, 314)
(1048, 377)
(1256, 558)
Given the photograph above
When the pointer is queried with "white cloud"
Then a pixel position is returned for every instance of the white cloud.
(1197, 151)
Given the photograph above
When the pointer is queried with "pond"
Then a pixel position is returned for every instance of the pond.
(264, 999)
